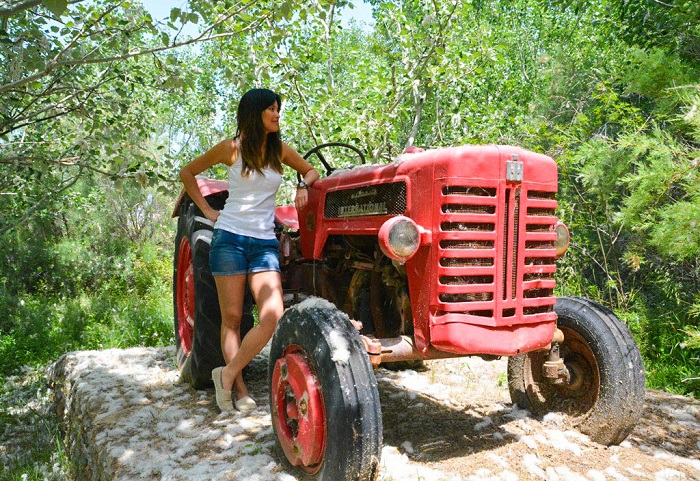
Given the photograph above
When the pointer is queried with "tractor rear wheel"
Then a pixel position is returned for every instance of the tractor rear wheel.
(323, 395)
(604, 396)
(195, 301)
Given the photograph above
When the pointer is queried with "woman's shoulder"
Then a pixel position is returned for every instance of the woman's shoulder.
(229, 149)
(288, 152)
(290, 156)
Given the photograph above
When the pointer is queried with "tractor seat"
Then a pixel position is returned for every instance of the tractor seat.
(287, 216)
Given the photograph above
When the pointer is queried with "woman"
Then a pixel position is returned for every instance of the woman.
(244, 247)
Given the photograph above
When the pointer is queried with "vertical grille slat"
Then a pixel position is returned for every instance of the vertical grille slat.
(506, 238)
(516, 243)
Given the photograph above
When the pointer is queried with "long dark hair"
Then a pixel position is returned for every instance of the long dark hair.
(251, 132)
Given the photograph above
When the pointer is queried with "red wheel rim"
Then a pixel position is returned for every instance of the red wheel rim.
(185, 296)
(298, 411)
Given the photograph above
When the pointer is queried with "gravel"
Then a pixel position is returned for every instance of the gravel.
(127, 416)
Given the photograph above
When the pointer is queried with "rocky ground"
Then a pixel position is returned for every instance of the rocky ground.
(130, 417)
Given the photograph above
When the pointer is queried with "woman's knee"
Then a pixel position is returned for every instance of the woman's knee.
(231, 318)
(268, 320)
(271, 310)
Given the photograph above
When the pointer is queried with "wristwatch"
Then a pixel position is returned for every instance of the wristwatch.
(302, 185)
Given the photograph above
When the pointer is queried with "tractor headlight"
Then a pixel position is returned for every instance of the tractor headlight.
(561, 244)
(399, 238)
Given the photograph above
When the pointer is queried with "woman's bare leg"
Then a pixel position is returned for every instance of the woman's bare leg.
(267, 292)
(231, 290)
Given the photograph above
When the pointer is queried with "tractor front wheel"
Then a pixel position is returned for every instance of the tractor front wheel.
(323, 395)
(603, 396)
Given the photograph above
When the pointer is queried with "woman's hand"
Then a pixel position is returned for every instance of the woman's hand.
(308, 174)
(302, 199)
(212, 214)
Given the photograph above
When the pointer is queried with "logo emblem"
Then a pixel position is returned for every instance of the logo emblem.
(514, 170)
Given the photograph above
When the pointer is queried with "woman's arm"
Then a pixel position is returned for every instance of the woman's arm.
(309, 175)
(223, 152)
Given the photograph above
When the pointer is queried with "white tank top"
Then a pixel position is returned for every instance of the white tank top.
(250, 207)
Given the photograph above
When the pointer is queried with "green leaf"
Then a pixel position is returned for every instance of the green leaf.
(286, 10)
(57, 7)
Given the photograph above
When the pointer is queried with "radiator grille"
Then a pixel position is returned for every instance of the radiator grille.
(450, 262)
(506, 242)
(465, 190)
(468, 209)
(381, 199)
(516, 244)
(493, 259)
(466, 226)
(466, 244)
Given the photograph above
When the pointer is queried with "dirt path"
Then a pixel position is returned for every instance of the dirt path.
(456, 419)
(453, 421)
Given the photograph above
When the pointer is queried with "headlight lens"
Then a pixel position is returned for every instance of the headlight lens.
(404, 238)
(561, 244)
(399, 238)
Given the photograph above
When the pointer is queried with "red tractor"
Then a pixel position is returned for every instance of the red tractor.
(443, 253)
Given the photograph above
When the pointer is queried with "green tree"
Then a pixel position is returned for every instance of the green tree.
(82, 89)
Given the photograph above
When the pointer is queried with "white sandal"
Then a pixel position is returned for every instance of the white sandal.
(223, 397)
(246, 404)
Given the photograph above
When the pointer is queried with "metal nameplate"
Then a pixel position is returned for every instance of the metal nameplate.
(359, 210)
(514, 171)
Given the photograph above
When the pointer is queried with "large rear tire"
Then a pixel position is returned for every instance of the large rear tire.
(323, 395)
(195, 301)
(605, 395)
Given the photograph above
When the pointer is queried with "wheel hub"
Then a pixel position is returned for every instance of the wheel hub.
(298, 411)
(577, 378)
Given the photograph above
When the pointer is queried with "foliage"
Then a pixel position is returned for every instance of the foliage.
(97, 277)
(80, 92)
(31, 446)
(675, 26)
(630, 194)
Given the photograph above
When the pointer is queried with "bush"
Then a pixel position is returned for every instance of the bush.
(44, 328)
(95, 275)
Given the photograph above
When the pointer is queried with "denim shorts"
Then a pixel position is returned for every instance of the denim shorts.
(233, 254)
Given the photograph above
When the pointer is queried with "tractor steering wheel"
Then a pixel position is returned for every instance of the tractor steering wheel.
(317, 150)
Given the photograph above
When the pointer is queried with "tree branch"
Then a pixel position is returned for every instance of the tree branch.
(54, 63)
(57, 107)
(28, 213)
(9, 9)
(329, 26)
(415, 71)
(303, 99)
(419, 102)
(664, 4)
